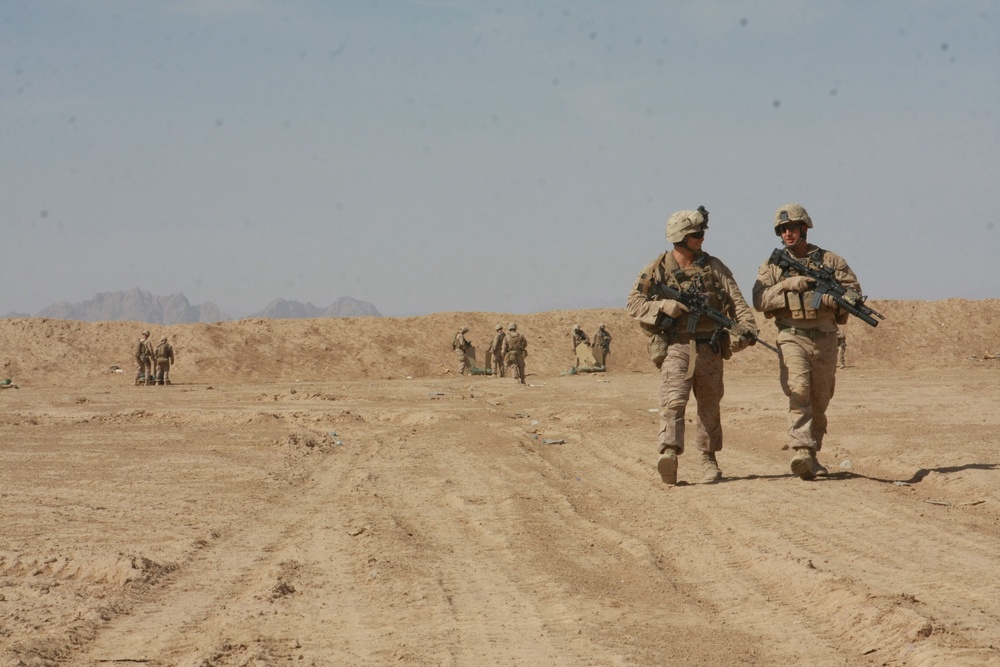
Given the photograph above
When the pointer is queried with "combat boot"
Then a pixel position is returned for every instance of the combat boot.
(818, 467)
(802, 463)
(667, 466)
(710, 471)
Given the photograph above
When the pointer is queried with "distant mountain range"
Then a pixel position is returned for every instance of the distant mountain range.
(140, 306)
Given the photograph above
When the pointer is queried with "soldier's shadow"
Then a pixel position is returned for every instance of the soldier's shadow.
(844, 475)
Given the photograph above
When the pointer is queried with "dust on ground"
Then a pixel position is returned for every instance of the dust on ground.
(329, 492)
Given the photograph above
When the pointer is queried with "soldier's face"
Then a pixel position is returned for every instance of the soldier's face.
(791, 234)
(695, 241)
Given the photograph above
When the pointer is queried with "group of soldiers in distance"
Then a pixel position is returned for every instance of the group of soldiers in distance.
(509, 349)
(153, 364)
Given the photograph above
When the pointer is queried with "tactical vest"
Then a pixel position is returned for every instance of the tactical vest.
(698, 277)
(798, 303)
(515, 342)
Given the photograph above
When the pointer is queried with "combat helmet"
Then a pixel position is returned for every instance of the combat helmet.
(791, 213)
(464, 330)
(512, 326)
(499, 327)
(682, 223)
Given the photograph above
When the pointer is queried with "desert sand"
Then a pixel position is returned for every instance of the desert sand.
(330, 492)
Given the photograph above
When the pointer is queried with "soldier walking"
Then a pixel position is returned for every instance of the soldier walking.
(689, 361)
(807, 336)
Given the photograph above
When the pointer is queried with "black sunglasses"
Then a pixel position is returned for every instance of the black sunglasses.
(697, 235)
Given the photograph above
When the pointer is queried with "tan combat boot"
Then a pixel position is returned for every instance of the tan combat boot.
(818, 467)
(710, 471)
(802, 463)
(667, 466)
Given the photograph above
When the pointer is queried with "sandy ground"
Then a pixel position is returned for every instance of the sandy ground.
(323, 492)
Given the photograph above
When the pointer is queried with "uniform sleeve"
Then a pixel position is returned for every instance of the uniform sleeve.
(741, 310)
(639, 306)
(767, 294)
(842, 272)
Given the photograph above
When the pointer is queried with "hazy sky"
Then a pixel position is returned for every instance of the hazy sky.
(487, 156)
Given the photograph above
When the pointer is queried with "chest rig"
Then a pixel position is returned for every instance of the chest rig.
(697, 278)
(799, 304)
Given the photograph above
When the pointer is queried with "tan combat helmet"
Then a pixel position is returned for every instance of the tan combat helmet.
(499, 327)
(464, 330)
(145, 333)
(163, 339)
(512, 326)
(682, 223)
(791, 213)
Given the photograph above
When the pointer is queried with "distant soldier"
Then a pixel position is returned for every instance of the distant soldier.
(496, 351)
(841, 347)
(515, 349)
(602, 343)
(164, 357)
(579, 336)
(461, 346)
(144, 360)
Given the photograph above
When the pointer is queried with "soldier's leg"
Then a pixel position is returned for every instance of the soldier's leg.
(139, 376)
(824, 382)
(148, 366)
(520, 370)
(166, 373)
(794, 353)
(675, 389)
(708, 390)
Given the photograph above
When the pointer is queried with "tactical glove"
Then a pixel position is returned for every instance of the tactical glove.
(672, 308)
(796, 284)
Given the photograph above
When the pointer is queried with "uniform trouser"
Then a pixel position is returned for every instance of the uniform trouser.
(144, 370)
(518, 366)
(675, 390)
(463, 361)
(808, 378)
(499, 366)
(841, 354)
(162, 372)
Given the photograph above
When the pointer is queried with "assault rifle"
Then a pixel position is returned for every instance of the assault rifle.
(846, 298)
(698, 307)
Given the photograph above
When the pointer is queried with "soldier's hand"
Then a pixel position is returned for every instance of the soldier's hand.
(738, 343)
(796, 284)
(829, 301)
(672, 308)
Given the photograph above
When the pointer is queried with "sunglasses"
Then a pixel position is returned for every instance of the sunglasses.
(697, 235)
(788, 227)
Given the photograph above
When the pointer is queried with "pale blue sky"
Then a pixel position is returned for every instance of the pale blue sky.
(487, 156)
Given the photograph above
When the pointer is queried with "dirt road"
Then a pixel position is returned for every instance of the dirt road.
(472, 521)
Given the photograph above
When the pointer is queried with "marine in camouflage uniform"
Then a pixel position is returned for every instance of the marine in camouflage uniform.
(807, 337)
(842, 348)
(461, 346)
(163, 358)
(515, 349)
(144, 360)
(688, 361)
(602, 339)
(496, 351)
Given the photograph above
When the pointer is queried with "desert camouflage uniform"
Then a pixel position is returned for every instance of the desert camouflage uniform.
(579, 336)
(602, 339)
(674, 350)
(842, 347)
(144, 360)
(461, 345)
(164, 356)
(515, 349)
(807, 340)
(496, 351)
